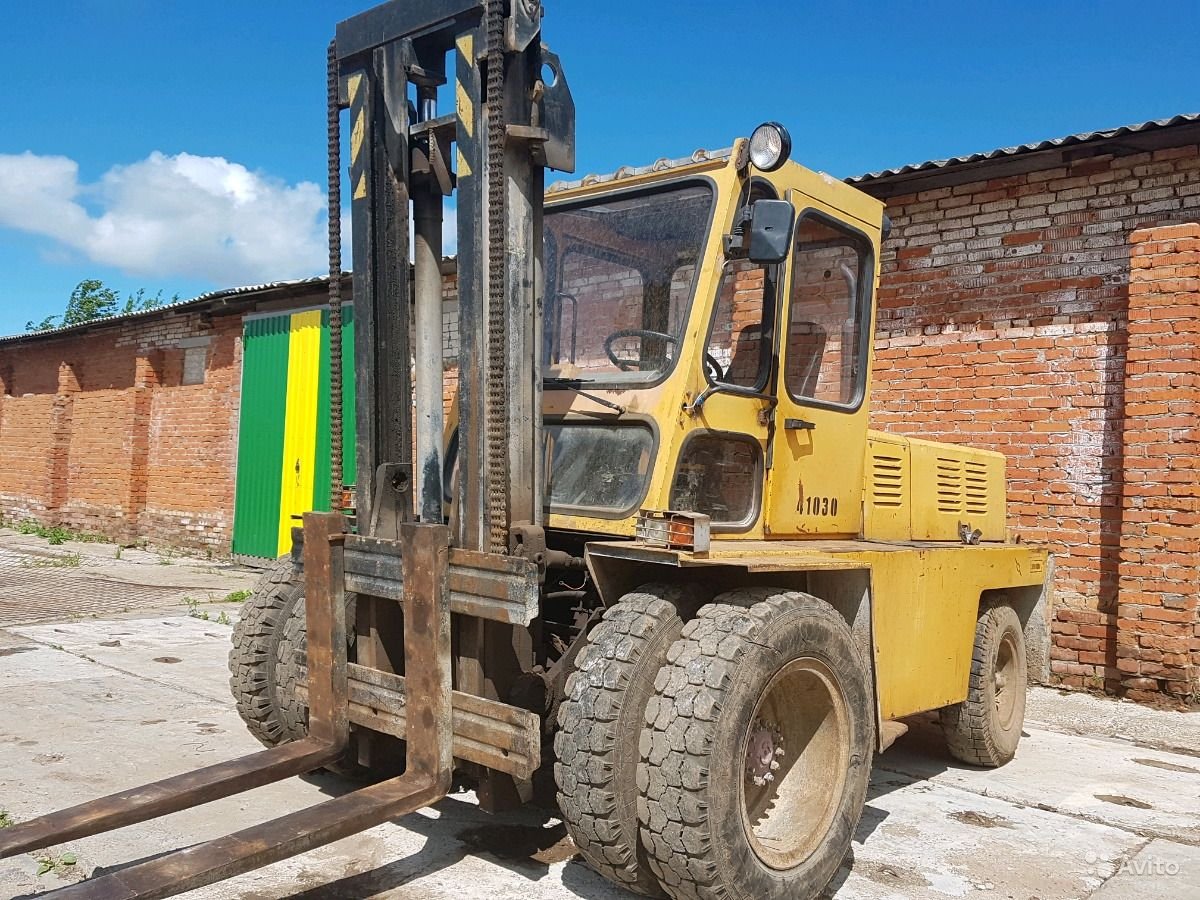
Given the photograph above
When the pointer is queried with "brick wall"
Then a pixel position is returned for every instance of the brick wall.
(1158, 610)
(100, 432)
(1007, 320)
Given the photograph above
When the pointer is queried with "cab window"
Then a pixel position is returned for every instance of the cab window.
(824, 360)
(741, 336)
(739, 345)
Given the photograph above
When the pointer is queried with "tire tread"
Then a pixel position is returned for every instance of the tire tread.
(681, 728)
(969, 726)
(264, 642)
(626, 648)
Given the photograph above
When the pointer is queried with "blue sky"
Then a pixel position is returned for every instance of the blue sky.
(178, 145)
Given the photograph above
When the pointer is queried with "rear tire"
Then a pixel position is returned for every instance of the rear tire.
(263, 672)
(596, 746)
(985, 729)
(757, 750)
(263, 669)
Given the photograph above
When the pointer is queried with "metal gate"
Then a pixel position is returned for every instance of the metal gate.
(283, 436)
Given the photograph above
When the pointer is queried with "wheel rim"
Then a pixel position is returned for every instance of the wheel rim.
(1005, 687)
(796, 760)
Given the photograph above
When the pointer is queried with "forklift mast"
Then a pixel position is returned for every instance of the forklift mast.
(513, 118)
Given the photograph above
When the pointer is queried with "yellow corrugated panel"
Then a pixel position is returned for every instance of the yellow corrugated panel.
(953, 486)
(300, 422)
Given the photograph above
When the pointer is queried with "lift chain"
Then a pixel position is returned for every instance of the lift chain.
(334, 112)
(497, 387)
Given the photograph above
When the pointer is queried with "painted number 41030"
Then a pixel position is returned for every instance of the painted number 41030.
(819, 506)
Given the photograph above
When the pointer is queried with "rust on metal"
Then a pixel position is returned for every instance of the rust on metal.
(325, 612)
(262, 845)
(427, 656)
(495, 587)
(493, 734)
(485, 585)
(150, 801)
(430, 758)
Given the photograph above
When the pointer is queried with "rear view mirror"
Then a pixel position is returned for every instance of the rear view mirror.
(771, 224)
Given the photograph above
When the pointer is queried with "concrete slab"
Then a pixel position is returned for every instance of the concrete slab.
(1144, 791)
(921, 841)
(1072, 712)
(1161, 869)
(92, 730)
(86, 708)
(180, 651)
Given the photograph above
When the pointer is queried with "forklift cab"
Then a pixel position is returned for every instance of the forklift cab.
(707, 337)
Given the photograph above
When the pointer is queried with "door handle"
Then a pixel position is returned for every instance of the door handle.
(799, 425)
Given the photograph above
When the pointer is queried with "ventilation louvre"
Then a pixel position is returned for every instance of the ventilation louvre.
(950, 495)
(976, 488)
(887, 481)
(962, 487)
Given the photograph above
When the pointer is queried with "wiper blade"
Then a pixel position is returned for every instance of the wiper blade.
(573, 384)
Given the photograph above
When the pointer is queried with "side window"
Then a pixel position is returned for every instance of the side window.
(720, 476)
(739, 344)
(830, 285)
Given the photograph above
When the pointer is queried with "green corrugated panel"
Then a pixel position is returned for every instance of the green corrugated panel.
(349, 437)
(260, 436)
(321, 485)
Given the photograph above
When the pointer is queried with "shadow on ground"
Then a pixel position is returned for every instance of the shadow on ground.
(530, 841)
(527, 842)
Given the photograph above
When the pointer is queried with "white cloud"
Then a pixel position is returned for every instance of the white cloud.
(182, 216)
(171, 216)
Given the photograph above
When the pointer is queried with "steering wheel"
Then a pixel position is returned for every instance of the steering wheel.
(715, 372)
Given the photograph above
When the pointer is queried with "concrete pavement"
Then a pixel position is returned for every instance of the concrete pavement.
(1102, 802)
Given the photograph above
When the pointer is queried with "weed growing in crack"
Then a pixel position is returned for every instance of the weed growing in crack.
(57, 534)
(51, 863)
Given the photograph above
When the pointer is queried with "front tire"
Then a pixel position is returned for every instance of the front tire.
(596, 746)
(985, 729)
(757, 750)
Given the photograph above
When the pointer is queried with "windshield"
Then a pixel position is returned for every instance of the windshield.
(620, 274)
(597, 467)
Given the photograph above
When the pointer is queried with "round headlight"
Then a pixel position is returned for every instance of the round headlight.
(770, 146)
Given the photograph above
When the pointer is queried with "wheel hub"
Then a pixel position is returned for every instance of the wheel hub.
(764, 750)
(1005, 682)
(796, 758)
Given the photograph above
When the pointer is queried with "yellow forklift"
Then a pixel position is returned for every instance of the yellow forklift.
(656, 568)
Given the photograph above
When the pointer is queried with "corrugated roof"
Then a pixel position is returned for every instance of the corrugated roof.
(201, 300)
(662, 165)
(1005, 152)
